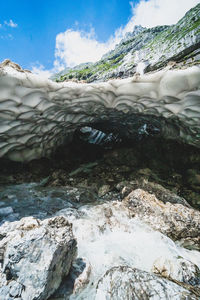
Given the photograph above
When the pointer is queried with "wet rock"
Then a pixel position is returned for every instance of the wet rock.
(37, 255)
(190, 243)
(163, 194)
(126, 191)
(82, 195)
(120, 185)
(87, 196)
(4, 211)
(103, 190)
(57, 178)
(76, 280)
(81, 272)
(174, 220)
(69, 213)
(10, 218)
(125, 283)
(160, 192)
(124, 188)
(179, 269)
(34, 200)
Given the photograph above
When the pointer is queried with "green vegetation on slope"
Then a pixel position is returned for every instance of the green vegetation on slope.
(157, 45)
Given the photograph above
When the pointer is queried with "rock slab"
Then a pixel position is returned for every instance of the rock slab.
(35, 256)
(125, 283)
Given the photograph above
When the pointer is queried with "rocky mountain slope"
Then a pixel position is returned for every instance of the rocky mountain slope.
(154, 47)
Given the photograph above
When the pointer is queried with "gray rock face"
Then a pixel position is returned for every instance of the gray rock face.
(126, 283)
(35, 256)
(4, 211)
(155, 47)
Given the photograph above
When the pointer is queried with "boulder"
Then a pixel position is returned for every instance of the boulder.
(124, 283)
(174, 220)
(35, 256)
(178, 269)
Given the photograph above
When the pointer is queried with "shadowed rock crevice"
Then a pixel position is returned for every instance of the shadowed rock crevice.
(173, 165)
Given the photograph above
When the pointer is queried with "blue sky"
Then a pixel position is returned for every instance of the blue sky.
(40, 21)
(51, 35)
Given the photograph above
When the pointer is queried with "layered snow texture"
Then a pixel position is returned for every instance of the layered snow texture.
(38, 115)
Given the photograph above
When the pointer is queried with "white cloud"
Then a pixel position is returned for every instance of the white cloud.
(160, 12)
(10, 24)
(40, 70)
(74, 47)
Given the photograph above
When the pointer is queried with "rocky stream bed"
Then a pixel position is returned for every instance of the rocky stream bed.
(90, 223)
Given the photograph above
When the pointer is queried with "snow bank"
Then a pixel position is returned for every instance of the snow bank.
(37, 115)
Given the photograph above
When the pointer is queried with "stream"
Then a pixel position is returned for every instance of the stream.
(107, 236)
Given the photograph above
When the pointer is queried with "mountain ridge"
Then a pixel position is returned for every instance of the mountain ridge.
(155, 46)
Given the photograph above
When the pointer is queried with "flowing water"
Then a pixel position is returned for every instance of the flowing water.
(108, 237)
(106, 234)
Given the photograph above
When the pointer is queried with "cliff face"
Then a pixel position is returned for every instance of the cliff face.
(155, 47)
